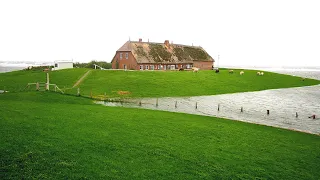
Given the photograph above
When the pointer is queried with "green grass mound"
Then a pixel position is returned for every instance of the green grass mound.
(154, 83)
(51, 136)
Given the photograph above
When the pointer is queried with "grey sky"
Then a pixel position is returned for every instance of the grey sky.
(247, 32)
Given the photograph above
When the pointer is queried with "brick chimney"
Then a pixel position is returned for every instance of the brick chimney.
(140, 40)
(166, 42)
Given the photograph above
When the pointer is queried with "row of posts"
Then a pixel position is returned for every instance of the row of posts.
(241, 109)
(196, 106)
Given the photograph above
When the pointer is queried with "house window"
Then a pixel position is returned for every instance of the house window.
(164, 67)
(56, 65)
(173, 67)
(141, 67)
(125, 67)
(120, 55)
(147, 67)
(152, 67)
(127, 55)
(188, 66)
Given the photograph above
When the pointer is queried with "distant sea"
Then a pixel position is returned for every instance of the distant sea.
(15, 66)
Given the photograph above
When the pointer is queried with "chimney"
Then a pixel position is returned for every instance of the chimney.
(166, 42)
(140, 40)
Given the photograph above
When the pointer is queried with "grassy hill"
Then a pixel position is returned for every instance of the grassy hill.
(46, 135)
(18, 80)
(155, 83)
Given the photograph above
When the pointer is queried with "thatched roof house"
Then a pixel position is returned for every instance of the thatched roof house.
(156, 56)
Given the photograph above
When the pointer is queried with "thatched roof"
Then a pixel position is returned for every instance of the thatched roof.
(148, 52)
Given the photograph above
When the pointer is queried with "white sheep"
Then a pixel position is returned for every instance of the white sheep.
(261, 73)
(194, 69)
(241, 72)
(258, 73)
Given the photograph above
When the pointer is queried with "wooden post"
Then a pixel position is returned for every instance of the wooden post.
(268, 112)
(241, 109)
(55, 88)
(196, 105)
(157, 103)
(48, 82)
(37, 86)
(175, 105)
(140, 103)
(296, 114)
(218, 107)
(78, 93)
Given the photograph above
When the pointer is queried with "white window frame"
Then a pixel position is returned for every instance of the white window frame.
(147, 67)
(151, 67)
(120, 55)
(164, 67)
(127, 55)
(141, 67)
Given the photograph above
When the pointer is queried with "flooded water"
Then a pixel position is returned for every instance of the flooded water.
(289, 108)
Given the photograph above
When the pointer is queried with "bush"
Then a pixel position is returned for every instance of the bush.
(103, 64)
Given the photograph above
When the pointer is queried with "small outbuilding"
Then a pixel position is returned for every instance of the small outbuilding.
(62, 64)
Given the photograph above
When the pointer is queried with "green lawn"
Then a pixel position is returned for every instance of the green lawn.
(156, 83)
(51, 136)
(18, 80)
(187, 83)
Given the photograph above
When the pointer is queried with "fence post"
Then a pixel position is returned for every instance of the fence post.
(296, 114)
(196, 105)
(55, 88)
(218, 107)
(140, 103)
(37, 86)
(157, 103)
(268, 112)
(175, 105)
(241, 109)
(78, 93)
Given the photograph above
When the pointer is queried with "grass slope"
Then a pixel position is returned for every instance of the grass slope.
(48, 135)
(154, 83)
(18, 80)
(187, 83)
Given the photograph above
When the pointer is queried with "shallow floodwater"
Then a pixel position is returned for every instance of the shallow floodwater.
(289, 108)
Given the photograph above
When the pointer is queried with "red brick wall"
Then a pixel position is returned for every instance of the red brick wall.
(157, 65)
(203, 65)
(131, 62)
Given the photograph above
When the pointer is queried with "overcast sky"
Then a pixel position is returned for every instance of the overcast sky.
(246, 32)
